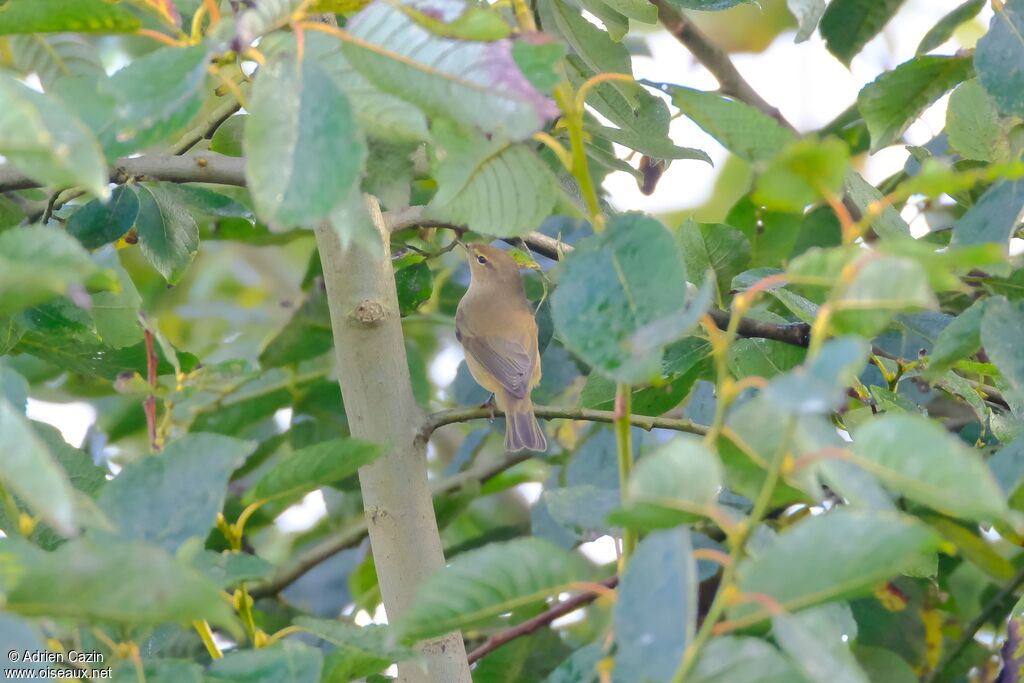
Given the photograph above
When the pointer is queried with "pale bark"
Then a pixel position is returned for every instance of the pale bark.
(377, 392)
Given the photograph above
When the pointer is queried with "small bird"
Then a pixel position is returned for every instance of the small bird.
(496, 327)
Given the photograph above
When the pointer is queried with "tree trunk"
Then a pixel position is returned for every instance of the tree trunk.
(377, 392)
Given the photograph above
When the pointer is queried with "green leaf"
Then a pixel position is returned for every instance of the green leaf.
(1008, 466)
(656, 607)
(583, 507)
(171, 497)
(21, 636)
(380, 114)
(55, 16)
(729, 659)
(98, 222)
(113, 582)
(206, 203)
(484, 583)
(974, 127)
(580, 667)
(801, 174)
(1000, 335)
(304, 150)
(657, 148)
(53, 57)
(29, 471)
(674, 484)
(473, 23)
(830, 556)
(943, 30)
(475, 83)
(882, 287)
(889, 225)
(45, 141)
(62, 334)
(917, 458)
(310, 468)
(998, 50)
(684, 363)
(168, 234)
(289, 660)
(538, 62)
(642, 118)
(37, 264)
(156, 97)
(820, 385)
(414, 283)
(719, 249)
(594, 47)
(227, 569)
(808, 14)
(884, 666)
(894, 100)
(973, 546)
(227, 139)
(848, 25)
(772, 235)
(993, 218)
(818, 643)
(116, 314)
(14, 388)
(611, 287)
(763, 358)
(306, 335)
(360, 651)
(498, 188)
(958, 340)
(160, 671)
(742, 129)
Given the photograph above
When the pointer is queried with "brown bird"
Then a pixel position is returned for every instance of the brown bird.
(495, 325)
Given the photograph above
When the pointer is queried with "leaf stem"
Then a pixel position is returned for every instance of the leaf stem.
(624, 446)
(720, 344)
(573, 119)
(727, 586)
(206, 635)
(524, 16)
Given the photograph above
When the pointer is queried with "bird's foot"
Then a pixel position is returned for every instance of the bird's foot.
(489, 406)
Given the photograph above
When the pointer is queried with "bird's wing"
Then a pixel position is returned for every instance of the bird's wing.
(507, 359)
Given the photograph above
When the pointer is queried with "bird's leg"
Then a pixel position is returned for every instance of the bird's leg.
(489, 404)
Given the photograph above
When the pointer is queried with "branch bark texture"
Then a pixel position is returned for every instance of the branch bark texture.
(377, 393)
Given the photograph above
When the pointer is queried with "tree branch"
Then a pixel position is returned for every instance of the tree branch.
(373, 374)
(199, 167)
(354, 535)
(715, 59)
(447, 417)
(538, 622)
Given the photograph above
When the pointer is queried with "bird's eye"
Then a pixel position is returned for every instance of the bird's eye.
(481, 259)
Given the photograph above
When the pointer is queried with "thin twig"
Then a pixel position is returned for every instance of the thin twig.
(715, 59)
(207, 128)
(447, 417)
(354, 535)
(972, 629)
(540, 621)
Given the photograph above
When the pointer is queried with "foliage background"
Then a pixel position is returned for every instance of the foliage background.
(878, 559)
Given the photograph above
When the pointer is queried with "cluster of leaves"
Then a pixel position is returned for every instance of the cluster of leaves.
(851, 512)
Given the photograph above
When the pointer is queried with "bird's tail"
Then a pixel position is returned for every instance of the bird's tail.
(522, 432)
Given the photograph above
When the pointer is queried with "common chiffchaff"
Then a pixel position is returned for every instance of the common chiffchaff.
(496, 326)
